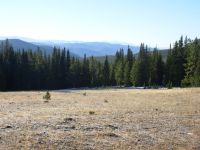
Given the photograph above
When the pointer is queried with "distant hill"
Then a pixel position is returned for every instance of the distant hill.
(111, 58)
(92, 48)
(19, 44)
(76, 48)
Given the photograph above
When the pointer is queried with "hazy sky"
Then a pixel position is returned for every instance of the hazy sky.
(155, 22)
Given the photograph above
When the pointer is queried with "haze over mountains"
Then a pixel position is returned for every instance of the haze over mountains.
(76, 48)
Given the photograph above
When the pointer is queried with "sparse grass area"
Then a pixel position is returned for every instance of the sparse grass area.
(133, 119)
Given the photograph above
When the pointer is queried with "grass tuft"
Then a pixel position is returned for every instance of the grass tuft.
(91, 112)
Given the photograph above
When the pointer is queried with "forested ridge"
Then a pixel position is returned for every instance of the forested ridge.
(35, 70)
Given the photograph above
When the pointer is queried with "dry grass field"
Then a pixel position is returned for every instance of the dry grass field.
(101, 119)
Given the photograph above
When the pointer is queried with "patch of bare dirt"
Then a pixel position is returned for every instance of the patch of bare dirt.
(128, 119)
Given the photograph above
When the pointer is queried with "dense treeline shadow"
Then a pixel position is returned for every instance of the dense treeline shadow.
(35, 70)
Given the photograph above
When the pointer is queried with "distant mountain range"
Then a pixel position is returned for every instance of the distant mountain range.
(92, 48)
(19, 44)
(76, 48)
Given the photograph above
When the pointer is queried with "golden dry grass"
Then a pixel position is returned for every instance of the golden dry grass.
(102, 119)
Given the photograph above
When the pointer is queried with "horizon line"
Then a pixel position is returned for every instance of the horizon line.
(35, 40)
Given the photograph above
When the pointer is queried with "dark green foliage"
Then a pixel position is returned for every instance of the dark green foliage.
(2, 74)
(156, 69)
(75, 72)
(47, 96)
(127, 81)
(182, 66)
(169, 85)
(175, 63)
(67, 73)
(35, 70)
(85, 73)
(128, 66)
(112, 76)
(106, 73)
(140, 73)
(119, 67)
(193, 63)
(91, 112)
(119, 73)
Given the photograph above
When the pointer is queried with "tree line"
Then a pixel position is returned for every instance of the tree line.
(35, 70)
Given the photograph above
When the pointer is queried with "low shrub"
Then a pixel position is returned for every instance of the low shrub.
(47, 97)
(91, 112)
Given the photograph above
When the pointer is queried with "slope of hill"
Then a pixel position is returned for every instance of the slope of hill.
(77, 48)
(91, 48)
(19, 44)
(111, 58)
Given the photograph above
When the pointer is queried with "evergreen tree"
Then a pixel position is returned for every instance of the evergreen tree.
(63, 69)
(85, 73)
(140, 73)
(157, 69)
(38, 70)
(99, 74)
(75, 68)
(106, 72)
(112, 75)
(128, 66)
(67, 70)
(177, 59)
(119, 67)
(196, 81)
(9, 65)
(169, 63)
(93, 72)
(191, 66)
(35, 70)
(55, 69)
(2, 75)
(136, 73)
(127, 80)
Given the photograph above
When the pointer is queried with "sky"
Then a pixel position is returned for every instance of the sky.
(154, 22)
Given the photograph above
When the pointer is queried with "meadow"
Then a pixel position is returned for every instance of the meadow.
(101, 119)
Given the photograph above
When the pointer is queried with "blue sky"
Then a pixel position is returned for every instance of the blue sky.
(155, 22)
